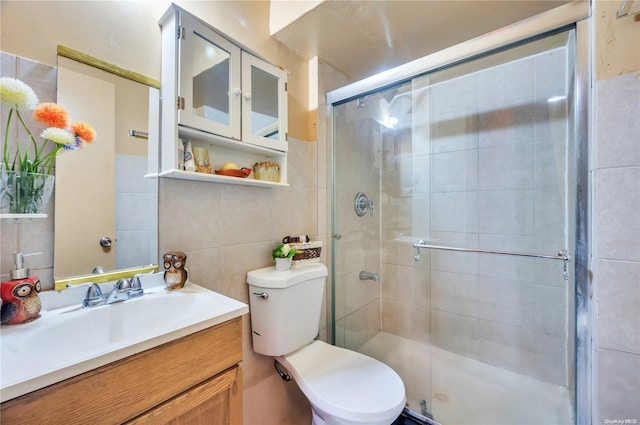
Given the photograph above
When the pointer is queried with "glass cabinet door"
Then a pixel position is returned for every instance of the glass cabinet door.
(209, 80)
(264, 104)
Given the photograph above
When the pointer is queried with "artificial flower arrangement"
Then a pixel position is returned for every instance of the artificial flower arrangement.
(19, 96)
(284, 251)
(26, 180)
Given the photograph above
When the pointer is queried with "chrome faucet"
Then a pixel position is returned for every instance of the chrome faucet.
(368, 276)
(123, 290)
(119, 292)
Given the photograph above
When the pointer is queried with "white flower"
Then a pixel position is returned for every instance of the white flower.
(285, 249)
(17, 94)
(59, 136)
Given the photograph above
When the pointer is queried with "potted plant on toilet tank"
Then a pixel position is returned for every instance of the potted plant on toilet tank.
(282, 255)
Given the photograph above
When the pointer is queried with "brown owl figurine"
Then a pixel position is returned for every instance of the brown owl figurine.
(175, 275)
(20, 301)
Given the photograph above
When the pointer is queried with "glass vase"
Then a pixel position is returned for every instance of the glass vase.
(25, 193)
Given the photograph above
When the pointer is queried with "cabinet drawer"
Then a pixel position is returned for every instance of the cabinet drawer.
(216, 401)
(123, 390)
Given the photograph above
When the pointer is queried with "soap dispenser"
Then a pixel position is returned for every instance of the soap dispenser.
(20, 300)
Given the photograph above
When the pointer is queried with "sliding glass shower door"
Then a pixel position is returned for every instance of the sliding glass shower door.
(467, 236)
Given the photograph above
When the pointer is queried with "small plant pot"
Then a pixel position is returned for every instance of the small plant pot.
(283, 264)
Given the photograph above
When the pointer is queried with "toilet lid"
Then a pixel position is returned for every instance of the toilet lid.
(346, 384)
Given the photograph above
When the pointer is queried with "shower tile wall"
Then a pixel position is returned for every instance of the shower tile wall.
(616, 254)
(357, 301)
(405, 284)
(485, 168)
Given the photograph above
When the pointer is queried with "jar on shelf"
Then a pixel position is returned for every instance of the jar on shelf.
(269, 171)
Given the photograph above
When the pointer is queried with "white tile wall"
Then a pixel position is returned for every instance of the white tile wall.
(616, 252)
(136, 215)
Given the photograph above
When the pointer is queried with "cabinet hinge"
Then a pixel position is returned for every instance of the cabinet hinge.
(286, 136)
(180, 32)
(286, 86)
(180, 104)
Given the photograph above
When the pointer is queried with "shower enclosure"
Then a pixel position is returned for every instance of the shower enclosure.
(466, 233)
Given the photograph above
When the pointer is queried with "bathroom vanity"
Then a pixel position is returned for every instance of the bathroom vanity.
(183, 381)
(185, 372)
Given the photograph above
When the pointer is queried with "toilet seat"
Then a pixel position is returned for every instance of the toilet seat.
(346, 385)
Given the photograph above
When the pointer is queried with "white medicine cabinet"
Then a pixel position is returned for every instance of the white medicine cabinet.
(221, 97)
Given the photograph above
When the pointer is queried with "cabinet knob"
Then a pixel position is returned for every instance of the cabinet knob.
(247, 96)
(237, 91)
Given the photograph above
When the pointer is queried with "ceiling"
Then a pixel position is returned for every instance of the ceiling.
(363, 38)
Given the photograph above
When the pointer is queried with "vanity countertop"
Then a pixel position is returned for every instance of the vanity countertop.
(68, 340)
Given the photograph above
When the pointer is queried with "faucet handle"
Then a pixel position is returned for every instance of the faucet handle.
(136, 287)
(123, 285)
(94, 296)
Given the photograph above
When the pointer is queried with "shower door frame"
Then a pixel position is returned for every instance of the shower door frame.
(576, 13)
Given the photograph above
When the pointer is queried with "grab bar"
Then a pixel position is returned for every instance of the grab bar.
(561, 255)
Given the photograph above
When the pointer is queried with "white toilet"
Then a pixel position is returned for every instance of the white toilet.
(343, 387)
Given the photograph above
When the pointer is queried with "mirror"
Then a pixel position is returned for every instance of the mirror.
(264, 105)
(106, 194)
(211, 81)
(265, 98)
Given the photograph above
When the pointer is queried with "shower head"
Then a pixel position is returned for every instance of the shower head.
(389, 94)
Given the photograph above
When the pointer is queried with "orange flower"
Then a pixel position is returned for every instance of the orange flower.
(51, 114)
(84, 131)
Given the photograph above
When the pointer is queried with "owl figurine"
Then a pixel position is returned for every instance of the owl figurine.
(20, 301)
(175, 275)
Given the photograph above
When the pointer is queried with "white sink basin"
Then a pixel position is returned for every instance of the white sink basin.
(70, 340)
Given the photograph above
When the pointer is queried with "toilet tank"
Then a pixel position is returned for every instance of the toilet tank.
(285, 307)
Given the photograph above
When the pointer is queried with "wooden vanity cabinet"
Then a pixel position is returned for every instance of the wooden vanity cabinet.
(212, 402)
(196, 379)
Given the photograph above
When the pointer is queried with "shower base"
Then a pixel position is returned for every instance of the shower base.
(462, 390)
(409, 417)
